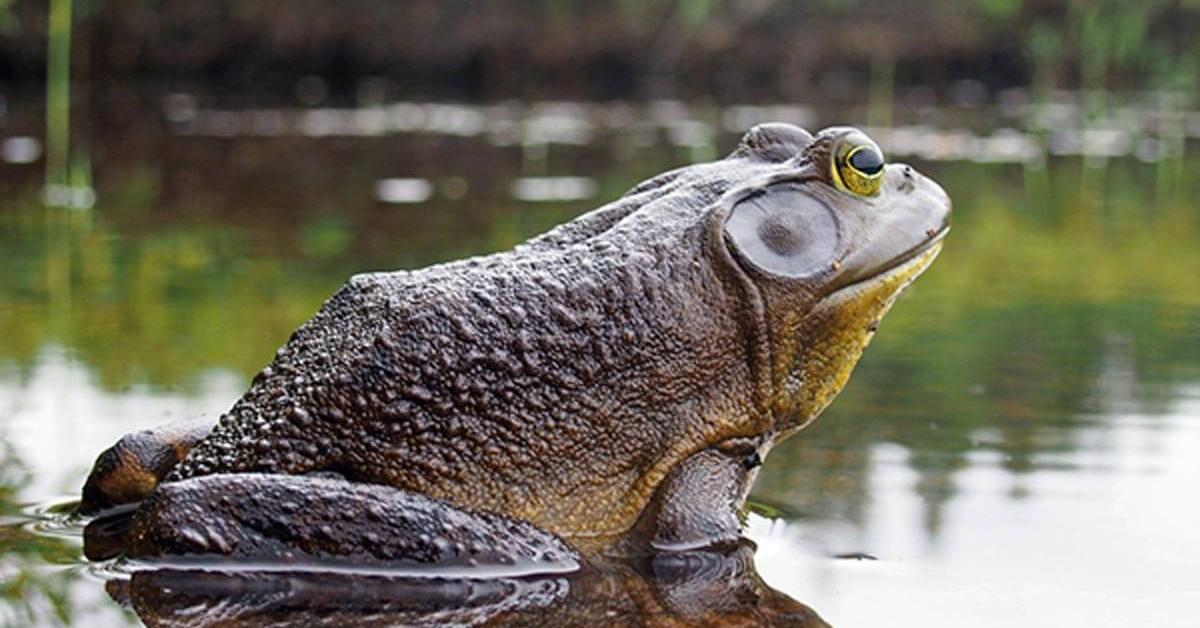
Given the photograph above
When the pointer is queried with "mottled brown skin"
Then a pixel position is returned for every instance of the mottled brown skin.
(615, 381)
(280, 519)
(129, 470)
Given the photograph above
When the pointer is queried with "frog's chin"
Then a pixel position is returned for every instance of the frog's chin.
(838, 330)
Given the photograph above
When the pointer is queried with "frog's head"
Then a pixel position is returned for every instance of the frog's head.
(823, 245)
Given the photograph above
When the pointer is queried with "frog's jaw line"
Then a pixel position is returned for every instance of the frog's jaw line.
(891, 282)
(843, 324)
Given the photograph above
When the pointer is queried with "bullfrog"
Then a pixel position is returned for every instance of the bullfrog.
(610, 387)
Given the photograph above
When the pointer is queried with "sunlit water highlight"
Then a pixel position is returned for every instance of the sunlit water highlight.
(1106, 539)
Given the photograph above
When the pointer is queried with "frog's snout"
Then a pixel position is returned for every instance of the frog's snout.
(929, 195)
(943, 205)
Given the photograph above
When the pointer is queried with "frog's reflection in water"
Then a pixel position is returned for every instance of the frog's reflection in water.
(712, 587)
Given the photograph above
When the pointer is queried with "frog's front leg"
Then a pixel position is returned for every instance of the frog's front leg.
(129, 470)
(304, 520)
(699, 502)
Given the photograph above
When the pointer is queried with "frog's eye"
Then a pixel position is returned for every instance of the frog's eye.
(858, 167)
(783, 231)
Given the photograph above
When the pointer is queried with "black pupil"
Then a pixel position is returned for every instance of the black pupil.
(867, 161)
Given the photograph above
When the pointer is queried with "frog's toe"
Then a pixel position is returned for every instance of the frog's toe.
(296, 521)
(129, 470)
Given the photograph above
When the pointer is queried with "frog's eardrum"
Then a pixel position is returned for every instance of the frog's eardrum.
(784, 231)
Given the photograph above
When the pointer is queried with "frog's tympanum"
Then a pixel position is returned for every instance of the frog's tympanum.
(607, 388)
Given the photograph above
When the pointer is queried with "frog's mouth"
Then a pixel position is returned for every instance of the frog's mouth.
(907, 267)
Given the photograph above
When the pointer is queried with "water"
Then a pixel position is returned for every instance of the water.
(1020, 445)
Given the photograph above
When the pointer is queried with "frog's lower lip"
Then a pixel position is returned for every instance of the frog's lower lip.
(921, 255)
(934, 240)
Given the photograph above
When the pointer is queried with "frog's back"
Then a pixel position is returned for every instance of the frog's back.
(506, 382)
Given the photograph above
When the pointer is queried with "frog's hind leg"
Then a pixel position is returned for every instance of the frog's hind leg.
(129, 470)
(292, 521)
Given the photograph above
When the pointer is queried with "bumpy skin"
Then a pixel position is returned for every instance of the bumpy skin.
(573, 371)
(319, 521)
(614, 381)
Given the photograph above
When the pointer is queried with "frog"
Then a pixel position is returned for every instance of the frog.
(610, 387)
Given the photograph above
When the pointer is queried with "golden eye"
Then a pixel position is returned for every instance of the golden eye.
(858, 167)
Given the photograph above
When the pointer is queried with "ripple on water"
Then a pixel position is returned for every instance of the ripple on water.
(51, 518)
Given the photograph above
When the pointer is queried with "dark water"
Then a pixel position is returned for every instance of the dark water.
(1019, 446)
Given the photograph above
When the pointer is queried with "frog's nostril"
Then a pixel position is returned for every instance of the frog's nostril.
(908, 172)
